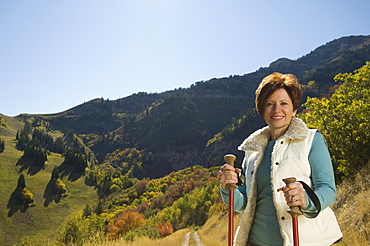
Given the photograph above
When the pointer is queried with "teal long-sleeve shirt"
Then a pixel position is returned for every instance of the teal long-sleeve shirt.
(265, 228)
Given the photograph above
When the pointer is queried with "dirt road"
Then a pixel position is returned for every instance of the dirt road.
(192, 239)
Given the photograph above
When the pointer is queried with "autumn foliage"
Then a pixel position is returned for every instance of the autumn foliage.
(129, 220)
(164, 229)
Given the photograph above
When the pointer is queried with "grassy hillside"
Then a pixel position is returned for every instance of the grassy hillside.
(39, 221)
(40, 224)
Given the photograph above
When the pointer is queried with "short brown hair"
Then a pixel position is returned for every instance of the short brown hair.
(273, 82)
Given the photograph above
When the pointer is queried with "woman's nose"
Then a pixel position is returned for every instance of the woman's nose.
(276, 108)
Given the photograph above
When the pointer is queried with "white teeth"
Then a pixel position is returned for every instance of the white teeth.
(280, 117)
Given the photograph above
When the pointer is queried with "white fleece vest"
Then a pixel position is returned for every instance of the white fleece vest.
(289, 159)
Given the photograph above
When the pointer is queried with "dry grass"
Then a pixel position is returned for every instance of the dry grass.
(215, 231)
(173, 240)
(353, 211)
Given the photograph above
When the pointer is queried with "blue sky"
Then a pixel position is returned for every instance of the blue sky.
(57, 54)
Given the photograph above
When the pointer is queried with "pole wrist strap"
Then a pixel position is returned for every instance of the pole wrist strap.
(314, 199)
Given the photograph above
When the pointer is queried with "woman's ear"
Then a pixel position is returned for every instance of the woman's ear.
(294, 113)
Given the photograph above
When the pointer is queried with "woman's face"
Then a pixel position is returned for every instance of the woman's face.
(278, 112)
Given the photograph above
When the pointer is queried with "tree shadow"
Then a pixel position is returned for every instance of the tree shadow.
(51, 193)
(69, 171)
(15, 202)
(30, 165)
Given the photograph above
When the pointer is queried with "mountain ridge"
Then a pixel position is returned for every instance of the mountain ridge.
(175, 126)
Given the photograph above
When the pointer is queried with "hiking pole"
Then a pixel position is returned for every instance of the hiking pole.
(294, 212)
(230, 160)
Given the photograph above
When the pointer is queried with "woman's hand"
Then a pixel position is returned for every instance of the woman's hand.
(295, 195)
(228, 175)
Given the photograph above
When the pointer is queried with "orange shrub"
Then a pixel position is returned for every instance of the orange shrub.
(164, 229)
(127, 221)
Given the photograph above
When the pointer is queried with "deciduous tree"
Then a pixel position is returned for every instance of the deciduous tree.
(344, 120)
(129, 220)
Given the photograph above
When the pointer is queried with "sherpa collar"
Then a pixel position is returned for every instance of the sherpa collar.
(260, 138)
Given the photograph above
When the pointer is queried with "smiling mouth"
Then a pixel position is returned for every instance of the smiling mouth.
(277, 117)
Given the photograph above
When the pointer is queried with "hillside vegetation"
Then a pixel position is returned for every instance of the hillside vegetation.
(351, 100)
(172, 130)
(36, 221)
(145, 168)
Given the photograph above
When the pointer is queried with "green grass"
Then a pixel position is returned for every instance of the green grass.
(39, 222)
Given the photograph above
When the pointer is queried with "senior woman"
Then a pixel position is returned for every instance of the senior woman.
(284, 148)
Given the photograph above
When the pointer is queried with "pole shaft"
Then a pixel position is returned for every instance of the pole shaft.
(294, 212)
(231, 217)
(295, 231)
(230, 160)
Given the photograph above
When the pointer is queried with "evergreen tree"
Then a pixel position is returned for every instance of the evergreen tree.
(55, 173)
(21, 182)
(87, 211)
(24, 139)
(99, 208)
(2, 145)
(36, 153)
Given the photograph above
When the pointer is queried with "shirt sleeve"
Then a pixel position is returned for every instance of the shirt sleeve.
(240, 197)
(322, 174)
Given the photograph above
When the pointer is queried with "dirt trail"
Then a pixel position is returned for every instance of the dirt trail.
(192, 239)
